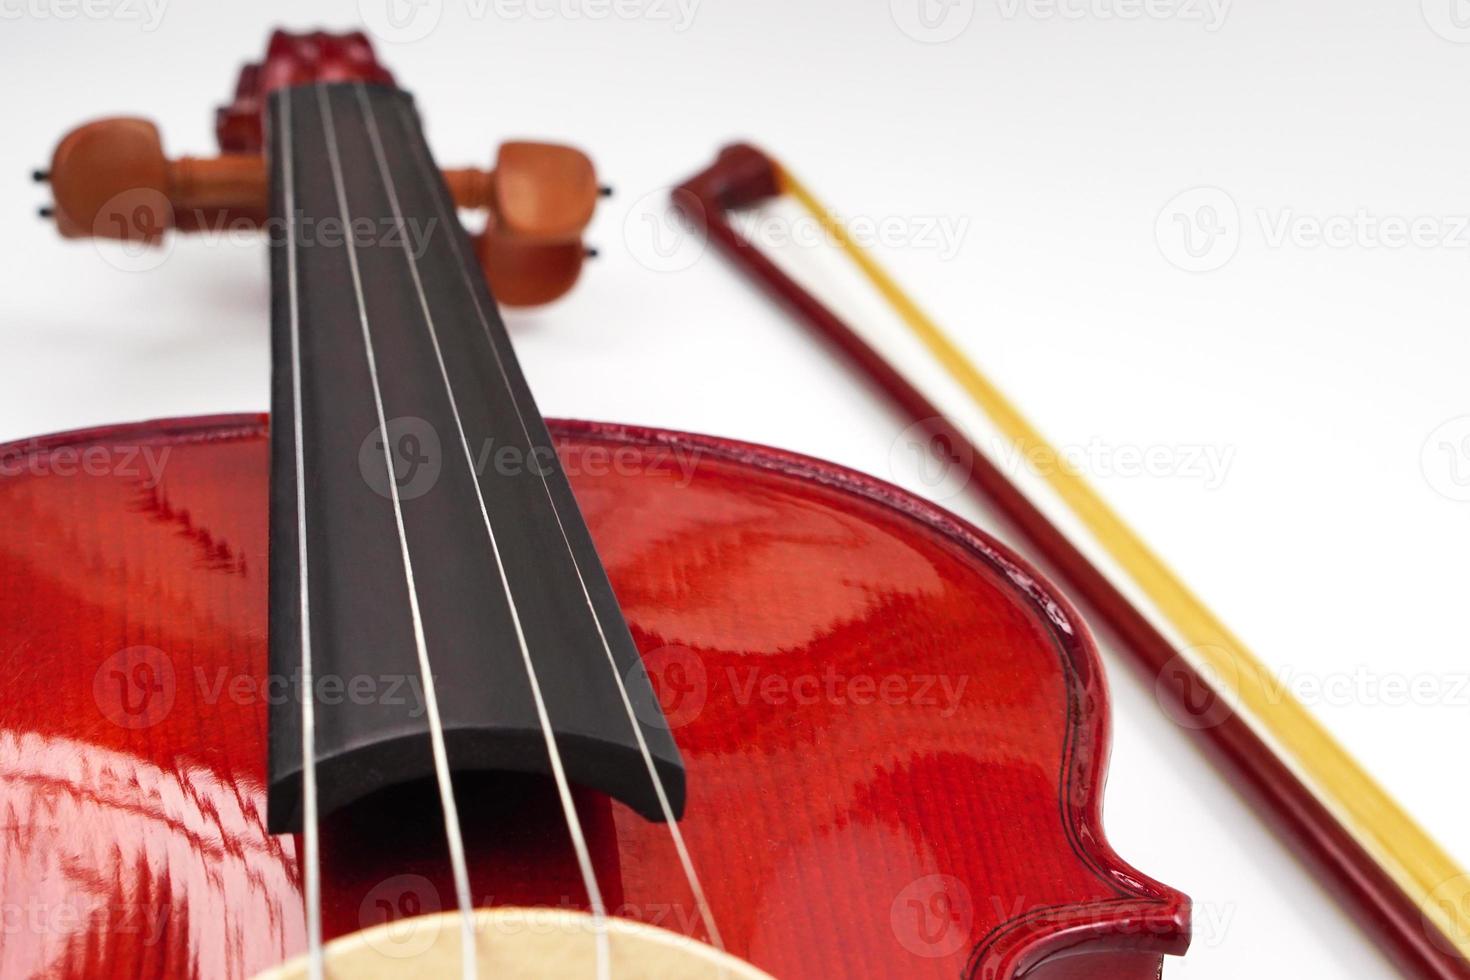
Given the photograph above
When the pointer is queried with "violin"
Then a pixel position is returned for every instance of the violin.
(403, 679)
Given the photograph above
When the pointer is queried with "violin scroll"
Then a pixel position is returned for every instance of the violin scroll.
(293, 59)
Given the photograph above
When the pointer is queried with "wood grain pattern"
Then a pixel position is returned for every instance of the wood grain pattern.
(895, 732)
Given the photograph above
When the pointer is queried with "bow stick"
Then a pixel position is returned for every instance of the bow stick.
(1402, 888)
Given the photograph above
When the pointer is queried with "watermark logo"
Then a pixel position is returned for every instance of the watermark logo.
(148, 14)
(1199, 229)
(224, 685)
(405, 21)
(80, 915)
(414, 450)
(135, 687)
(409, 450)
(1362, 229)
(1210, 14)
(1450, 19)
(659, 236)
(1445, 459)
(679, 14)
(932, 21)
(131, 230)
(400, 21)
(145, 463)
(135, 230)
(941, 693)
(1452, 900)
(929, 451)
(1196, 686)
(942, 234)
(678, 687)
(932, 916)
(677, 464)
(399, 901)
(941, 459)
(1190, 688)
(663, 238)
(1207, 464)
(1363, 686)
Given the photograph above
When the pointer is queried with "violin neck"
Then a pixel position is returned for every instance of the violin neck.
(419, 513)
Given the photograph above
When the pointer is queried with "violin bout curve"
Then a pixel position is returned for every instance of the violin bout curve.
(895, 732)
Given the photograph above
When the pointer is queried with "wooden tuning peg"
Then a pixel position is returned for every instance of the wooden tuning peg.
(112, 179)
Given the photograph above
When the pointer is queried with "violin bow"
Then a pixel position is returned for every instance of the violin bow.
(1398, 884)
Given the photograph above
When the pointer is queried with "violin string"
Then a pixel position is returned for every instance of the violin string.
(685, 860)
(431, 700)
(310, 833)
(563, 787)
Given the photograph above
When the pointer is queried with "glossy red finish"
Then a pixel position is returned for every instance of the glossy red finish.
(895, 732)
(292, 59)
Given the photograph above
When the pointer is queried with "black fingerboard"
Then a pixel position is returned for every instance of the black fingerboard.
(466, 447)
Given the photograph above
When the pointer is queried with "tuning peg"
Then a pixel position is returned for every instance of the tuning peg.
(524, 273)
(544, 191)
(112, 179)
(40, 176)
(103, 173)
(540, 198)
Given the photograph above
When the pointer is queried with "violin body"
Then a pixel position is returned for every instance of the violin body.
(895, 731)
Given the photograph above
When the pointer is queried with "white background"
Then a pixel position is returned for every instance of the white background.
(1053, 142)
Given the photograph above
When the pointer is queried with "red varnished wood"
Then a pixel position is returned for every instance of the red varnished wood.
(292, 59)
(895, 732)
